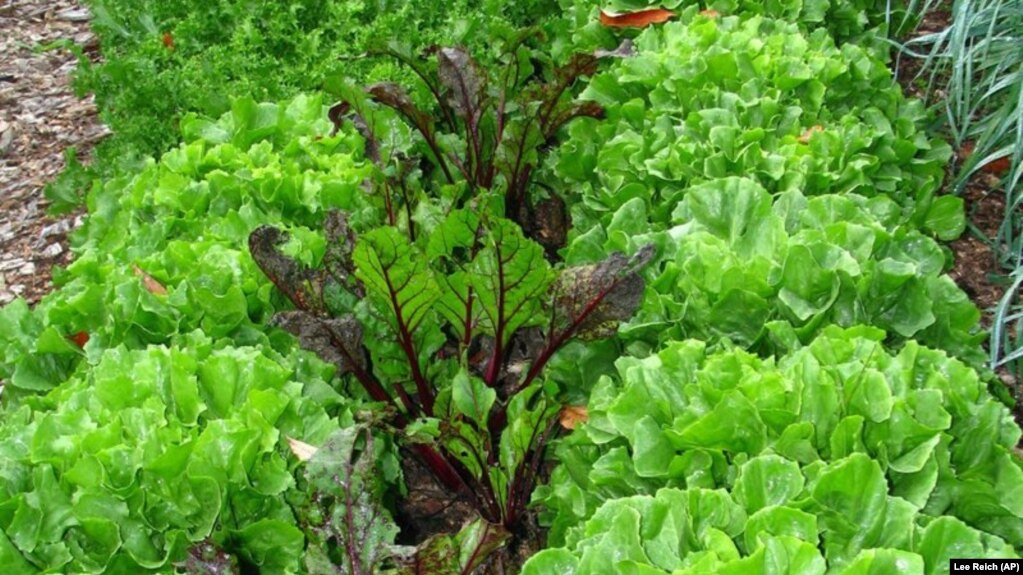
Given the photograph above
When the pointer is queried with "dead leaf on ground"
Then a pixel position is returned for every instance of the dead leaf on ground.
(573, 415)
(152, 286)
(997, 166)
(638, 19)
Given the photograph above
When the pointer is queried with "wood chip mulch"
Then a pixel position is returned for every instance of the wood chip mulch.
(40, 117)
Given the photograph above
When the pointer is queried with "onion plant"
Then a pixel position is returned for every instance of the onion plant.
(974, 70)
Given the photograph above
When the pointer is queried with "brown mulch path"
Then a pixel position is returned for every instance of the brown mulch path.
(40, 117)
(975, 264)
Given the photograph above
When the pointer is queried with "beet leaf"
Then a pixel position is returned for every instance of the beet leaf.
(344, 477)
(491, 129)
(400, 285)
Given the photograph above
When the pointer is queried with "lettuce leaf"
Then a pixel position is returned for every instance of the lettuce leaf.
(918, 431)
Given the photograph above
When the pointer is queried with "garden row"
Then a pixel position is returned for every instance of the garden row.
(779, 377)
(791, 192)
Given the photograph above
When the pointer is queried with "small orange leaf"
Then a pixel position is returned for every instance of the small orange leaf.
(153, 286)
(805, 137)
(302, 450)
(710, 13)
(573, 415)
(168, 41)
(80, 339)
(639, 19)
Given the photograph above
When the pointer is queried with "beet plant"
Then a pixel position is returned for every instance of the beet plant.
(447, 314)
(487, 134)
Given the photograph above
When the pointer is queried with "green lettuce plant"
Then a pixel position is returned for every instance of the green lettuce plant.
(775, 520)
(160, 456)
(768, 273)
(865, 23)
(707, 98)
(184, 222)
(841, 437)
(145, 404)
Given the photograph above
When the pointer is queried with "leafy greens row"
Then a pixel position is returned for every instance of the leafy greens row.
(840, 445)
(785, 185)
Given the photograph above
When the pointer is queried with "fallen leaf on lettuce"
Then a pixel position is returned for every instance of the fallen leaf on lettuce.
(80, 339)
(168, 41)
(638, 19)
(152, 286)
(573, 415)
(805, 136)
(302, 450)
(710, 13)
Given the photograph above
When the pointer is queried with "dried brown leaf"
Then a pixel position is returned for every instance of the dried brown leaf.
(302, 450)
(638, 19)
(805, 136)
(997, 166)
(150, 283)
(80, 339)
(573, 415)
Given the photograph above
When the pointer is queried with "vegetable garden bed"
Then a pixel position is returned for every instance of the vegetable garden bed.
(607, 300)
